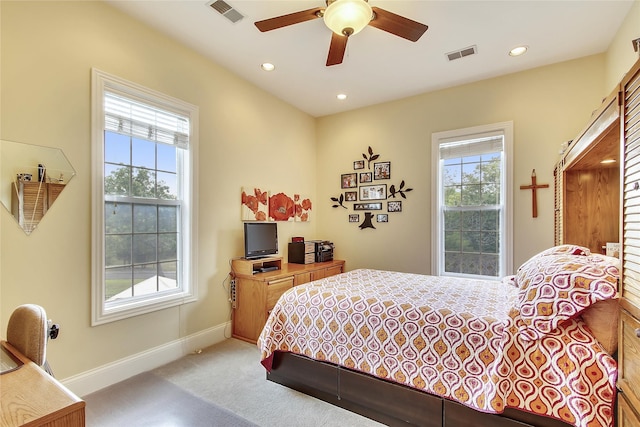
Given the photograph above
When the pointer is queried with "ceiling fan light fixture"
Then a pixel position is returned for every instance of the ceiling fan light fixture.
(347, 17)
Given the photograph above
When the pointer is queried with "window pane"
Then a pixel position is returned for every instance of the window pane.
(490, 172)
(167, 219)
(119, 283)
(117, 217)
(452, 241)
(145, 279)
(471, 241)
(143, 153)
(167, 186)
(167, 158)
(490, 265)
(470, 264)
(117, 250)
(489, 243)
(168, 272)
(471, 159)
(490, 220)
(452, 262)
(471, 195)
(453, 195)
(144, 183)
(452, 175)
(167, 247)
(116, 148)
(471, 173)
(117, 181)
(471, 220)
(144, 248)
(452, 220)
(144, 219)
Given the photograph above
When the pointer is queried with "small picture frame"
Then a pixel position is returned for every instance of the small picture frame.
(394, 206)
(350, 196)
(349, 180)
(382, 170)
(382, 218)
(367, 206)
(354, 217)
(358, 164)
(373, 192)
(366, 177)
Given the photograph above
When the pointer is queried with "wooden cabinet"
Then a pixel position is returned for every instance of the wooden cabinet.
(629, 329)
(256, 292)
(587, 191)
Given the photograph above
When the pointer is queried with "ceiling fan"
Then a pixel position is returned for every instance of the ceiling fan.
(346, 18)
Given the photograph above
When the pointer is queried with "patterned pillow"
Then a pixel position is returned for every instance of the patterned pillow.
(562, 250)
(555, 288)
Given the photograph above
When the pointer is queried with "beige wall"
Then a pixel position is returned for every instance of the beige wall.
(620, 55)
(547, 105)
(247, 137)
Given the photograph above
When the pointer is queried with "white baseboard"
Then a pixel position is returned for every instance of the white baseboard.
(106, 375)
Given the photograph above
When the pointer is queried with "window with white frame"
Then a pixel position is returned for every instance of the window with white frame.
(144, 228)
(472, 225)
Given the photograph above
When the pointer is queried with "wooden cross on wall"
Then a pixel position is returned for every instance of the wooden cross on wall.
(533, 187)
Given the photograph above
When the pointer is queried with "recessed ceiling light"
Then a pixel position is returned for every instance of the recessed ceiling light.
(606, 161)
(517, 51)
(267, 66)
(341, 96)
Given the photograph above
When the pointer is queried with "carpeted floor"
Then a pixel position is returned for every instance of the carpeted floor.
(224, 385)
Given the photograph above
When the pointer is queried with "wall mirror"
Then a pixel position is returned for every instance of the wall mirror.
(31, 179)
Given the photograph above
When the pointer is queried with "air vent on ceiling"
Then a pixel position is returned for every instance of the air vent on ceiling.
(471, 50)
(227, 11)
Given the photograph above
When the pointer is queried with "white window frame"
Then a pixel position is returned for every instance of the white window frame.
(188, 292)
(437, 223)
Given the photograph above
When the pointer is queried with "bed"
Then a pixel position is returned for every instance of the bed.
(407, 349)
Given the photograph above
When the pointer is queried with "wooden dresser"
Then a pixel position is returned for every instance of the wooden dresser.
(31, 397)
(255, 293)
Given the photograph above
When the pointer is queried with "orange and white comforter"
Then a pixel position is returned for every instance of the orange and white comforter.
(456, 338)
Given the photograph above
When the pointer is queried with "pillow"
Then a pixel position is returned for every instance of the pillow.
(562, 250)
(554, 288)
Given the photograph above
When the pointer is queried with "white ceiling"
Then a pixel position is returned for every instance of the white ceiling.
(379, 66)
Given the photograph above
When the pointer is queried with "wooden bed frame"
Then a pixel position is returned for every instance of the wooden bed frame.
(389, 403)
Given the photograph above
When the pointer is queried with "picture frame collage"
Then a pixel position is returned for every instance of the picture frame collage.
(367, 189)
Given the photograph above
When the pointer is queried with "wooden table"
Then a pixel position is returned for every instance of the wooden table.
(31, 397)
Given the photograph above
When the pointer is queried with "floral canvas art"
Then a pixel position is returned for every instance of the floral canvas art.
(255, 204)
(303, 208)
(281, 208)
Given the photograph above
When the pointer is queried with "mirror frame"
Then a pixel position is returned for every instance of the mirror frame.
(31, 179)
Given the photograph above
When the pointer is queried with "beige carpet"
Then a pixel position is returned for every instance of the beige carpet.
(230, 378)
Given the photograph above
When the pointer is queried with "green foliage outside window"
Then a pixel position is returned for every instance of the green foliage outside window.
(472, 214)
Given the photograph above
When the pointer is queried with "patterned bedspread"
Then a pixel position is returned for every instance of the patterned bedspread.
(456, 338)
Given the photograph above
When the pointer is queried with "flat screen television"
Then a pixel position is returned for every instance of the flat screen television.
(260, 239)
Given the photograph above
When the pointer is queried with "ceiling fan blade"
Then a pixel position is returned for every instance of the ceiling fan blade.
(336, 49)
(290, 19)
(397, 25)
